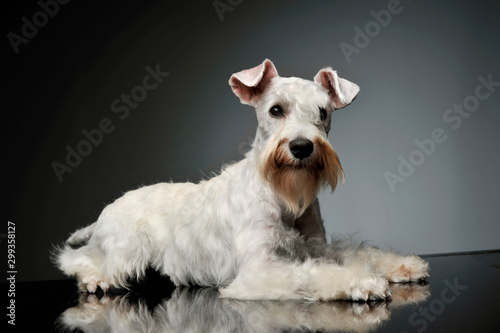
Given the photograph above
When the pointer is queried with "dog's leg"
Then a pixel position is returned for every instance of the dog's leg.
(94, 268)
(389, 264)
(99, 265)
(83, 265)
(265, 278)
(82, 260)
(394, 267)
(397, 268)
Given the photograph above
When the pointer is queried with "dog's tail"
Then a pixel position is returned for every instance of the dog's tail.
(80, 237)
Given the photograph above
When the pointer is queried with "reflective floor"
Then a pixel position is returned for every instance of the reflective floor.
(462, 296)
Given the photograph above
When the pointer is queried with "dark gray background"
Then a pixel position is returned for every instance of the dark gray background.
(427, 59)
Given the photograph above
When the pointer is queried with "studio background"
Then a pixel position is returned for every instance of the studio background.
(416, 67)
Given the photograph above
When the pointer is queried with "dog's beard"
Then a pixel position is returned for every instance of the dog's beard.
(297, 182)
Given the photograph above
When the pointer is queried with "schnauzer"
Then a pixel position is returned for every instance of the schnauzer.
(255, 230)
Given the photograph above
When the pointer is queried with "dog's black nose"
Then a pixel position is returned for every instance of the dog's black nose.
(301, 148)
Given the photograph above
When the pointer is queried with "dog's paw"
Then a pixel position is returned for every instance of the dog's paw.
(369, 289)
(90, 284)
(406, 269)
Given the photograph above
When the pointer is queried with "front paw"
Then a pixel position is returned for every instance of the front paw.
(407, 269)
(369, 289)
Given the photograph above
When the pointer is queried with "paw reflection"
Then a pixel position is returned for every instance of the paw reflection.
(409, 293)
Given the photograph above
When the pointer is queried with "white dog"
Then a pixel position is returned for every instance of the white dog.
(254, 231)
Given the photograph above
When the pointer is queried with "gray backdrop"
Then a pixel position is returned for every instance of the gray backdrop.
(419, 145)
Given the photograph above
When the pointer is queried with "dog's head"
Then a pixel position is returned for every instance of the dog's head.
(294, 117)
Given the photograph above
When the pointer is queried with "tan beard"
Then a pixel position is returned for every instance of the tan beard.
(298, 182)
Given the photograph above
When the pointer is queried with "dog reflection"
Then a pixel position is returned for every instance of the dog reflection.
(202, 310)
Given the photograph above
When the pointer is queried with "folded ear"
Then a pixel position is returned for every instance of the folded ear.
(341, 91)
(249, 84)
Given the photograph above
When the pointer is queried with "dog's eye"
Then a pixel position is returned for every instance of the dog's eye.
(322, 114)
(276, 111)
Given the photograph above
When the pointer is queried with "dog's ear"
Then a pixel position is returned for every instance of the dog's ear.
(341, 91)
(249, 84)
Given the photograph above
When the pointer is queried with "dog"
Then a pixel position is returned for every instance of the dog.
(255, 231)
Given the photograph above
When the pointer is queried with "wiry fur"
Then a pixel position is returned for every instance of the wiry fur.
(254, 231)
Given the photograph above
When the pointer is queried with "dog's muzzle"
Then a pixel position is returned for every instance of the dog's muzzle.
(297, 169)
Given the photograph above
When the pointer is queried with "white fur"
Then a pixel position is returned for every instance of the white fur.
(234, 231)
